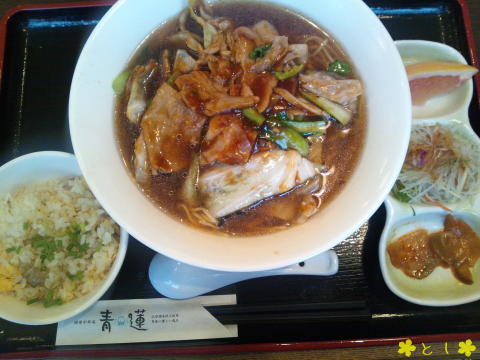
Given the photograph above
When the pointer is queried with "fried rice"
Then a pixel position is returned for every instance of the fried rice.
(56, 242)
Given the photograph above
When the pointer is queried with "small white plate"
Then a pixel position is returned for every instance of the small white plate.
(34, 168)
(440, 288)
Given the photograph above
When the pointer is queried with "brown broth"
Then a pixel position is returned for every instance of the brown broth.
(341, 148)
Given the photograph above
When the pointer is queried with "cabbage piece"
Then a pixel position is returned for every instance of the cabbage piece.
(209, 31)
(226, 189)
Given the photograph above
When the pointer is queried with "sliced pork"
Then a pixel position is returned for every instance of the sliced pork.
(170, 131)
(228, 140)
(203, 94)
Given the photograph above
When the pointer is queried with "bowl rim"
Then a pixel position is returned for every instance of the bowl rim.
(89, 298)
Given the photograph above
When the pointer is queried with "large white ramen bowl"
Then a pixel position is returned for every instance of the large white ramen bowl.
(91, 112)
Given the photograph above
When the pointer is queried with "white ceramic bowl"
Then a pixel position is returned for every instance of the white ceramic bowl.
(34, 168)
(371, 49)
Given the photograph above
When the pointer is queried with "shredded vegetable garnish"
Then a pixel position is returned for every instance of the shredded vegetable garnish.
(436, 203)
(442, 167)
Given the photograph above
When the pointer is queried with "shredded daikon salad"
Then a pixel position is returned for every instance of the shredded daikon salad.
(442, 166)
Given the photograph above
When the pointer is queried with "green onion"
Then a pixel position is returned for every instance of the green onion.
(259, 51)
(295, 141)
(33, 301)
(78, 276)
(289, 73)
(307, 127)
(303, 127)
(52, 302)
(253, 115)
(49, 301)
(118, 84)
(47, 246)
(74, 232)
(340, 67)
(171, 79)
(75, 248)
(398, 194)
(284, 136)
(269, 135)
(342, 114)
(17, 249)
(279, 117)
(287, 138)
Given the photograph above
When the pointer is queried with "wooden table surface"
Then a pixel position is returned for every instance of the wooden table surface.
(386, 352)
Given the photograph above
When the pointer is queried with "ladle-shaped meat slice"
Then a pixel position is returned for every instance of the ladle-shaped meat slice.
(169, 131)
(228, 140)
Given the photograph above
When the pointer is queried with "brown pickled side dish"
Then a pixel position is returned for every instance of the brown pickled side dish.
(412, 254)
(418, 252)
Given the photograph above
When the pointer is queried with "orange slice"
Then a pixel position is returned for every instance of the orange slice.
(434, 78)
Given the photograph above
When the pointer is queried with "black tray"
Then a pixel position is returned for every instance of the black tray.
(41, 49)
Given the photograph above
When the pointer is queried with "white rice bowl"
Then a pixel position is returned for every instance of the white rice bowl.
(92, 270)
(61, 212)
